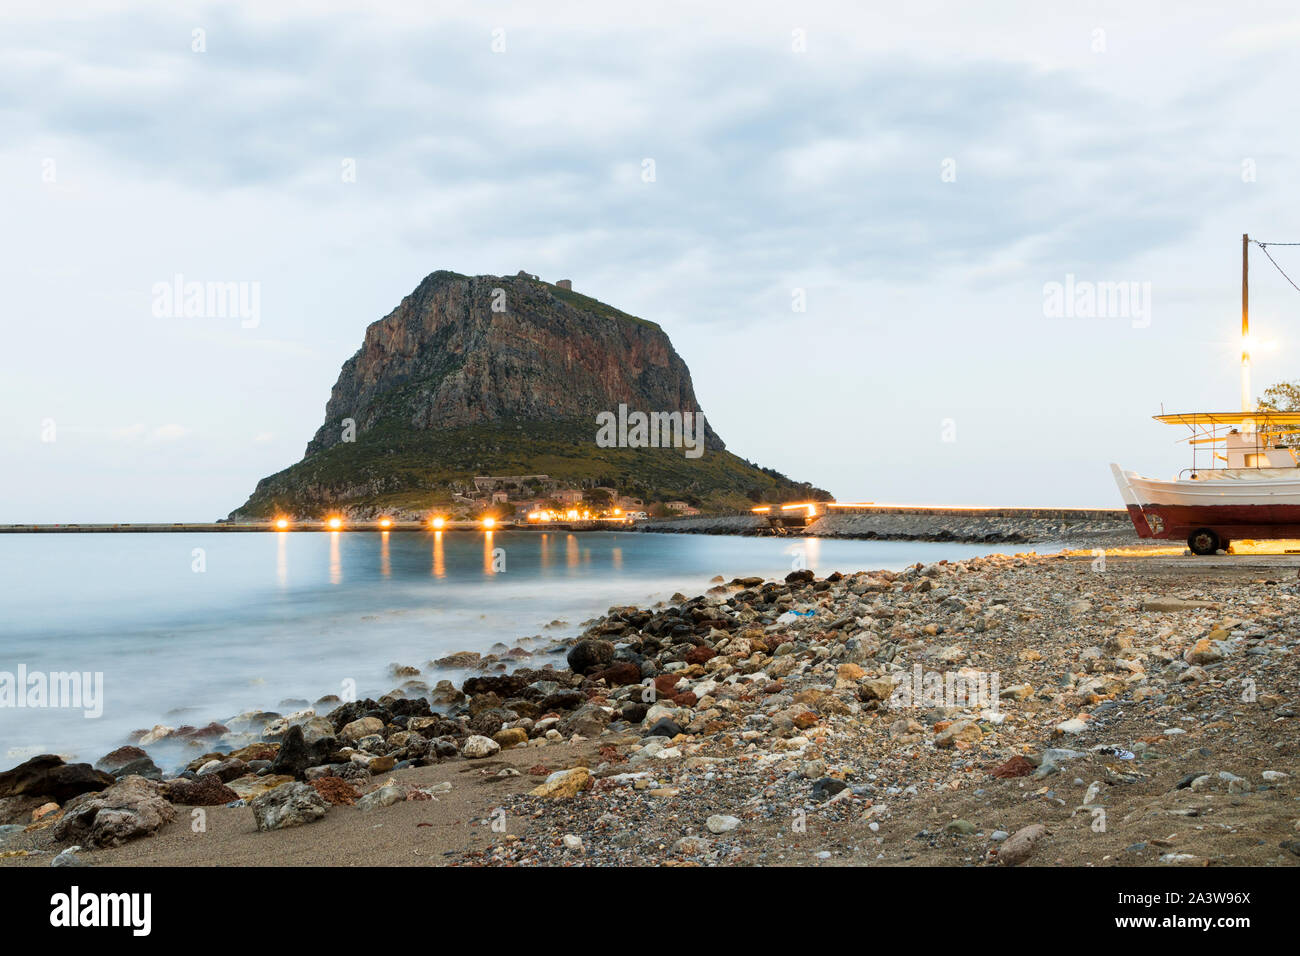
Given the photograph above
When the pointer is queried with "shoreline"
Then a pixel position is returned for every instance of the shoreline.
(769, 708)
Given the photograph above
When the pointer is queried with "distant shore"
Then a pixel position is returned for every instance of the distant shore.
(1077, 527)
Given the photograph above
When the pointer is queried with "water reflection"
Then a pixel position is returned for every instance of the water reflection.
(439, 558)
(282, 559)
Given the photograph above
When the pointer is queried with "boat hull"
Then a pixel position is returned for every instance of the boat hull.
(1231, 508)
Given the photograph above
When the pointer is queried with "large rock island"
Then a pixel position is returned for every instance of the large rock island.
(496, 377)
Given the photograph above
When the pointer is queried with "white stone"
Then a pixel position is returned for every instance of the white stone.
(479, 746)
(721, 823)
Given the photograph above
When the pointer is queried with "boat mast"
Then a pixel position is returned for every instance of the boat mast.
(1247, 403)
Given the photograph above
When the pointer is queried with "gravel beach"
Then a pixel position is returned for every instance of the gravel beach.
(1125, 710)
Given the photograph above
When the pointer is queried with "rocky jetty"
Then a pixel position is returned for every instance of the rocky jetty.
(985, 526)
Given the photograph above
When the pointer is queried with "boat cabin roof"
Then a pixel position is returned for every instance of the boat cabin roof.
(1262, 419)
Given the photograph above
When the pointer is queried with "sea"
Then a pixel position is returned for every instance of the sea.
(190, 628)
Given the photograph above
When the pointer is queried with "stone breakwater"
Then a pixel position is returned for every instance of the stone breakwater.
(994, 711)
(986, 525)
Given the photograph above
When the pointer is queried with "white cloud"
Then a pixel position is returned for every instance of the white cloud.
(170, 432)
(775, 170)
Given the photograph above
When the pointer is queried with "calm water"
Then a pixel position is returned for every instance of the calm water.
(189, 628)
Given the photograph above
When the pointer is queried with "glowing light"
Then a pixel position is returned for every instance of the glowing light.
(618, 511)
(438, 522)
(385, 522)
(489, 523)
(281, 523)
(573, 515)
(335, 523)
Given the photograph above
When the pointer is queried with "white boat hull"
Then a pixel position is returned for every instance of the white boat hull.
(1250, 503)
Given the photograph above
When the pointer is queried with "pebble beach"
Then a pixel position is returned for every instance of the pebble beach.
(1080, 709)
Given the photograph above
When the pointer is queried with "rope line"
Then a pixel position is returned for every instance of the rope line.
(1264, 248)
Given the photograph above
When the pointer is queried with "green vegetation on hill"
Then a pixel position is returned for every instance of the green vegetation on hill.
(595, 305)
(394, 468)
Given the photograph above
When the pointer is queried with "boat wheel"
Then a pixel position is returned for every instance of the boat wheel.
(1203, 541)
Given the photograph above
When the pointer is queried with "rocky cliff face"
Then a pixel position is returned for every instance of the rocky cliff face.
(463, 350)
(493, 375)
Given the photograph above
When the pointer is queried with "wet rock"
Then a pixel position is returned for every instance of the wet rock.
(227, 769)
(116, 759)
(143, 767)
(460, 660)
(590, 655)
(296, 754)
(48, 776)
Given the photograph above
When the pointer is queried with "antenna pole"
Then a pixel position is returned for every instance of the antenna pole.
(1247, 403)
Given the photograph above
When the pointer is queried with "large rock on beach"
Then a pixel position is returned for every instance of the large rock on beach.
(48, 776)
(590, 655)
(129, 809)
(291, 805)
(296, 754)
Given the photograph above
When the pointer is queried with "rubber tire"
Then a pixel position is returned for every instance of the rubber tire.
(1203, 541)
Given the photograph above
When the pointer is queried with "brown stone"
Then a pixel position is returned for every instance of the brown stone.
(1017, 766)
(335, 790)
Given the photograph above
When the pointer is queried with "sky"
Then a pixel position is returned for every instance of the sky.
(849, 222)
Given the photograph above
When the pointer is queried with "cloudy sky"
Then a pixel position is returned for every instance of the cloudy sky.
(916, 180)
